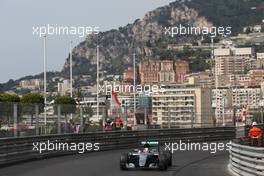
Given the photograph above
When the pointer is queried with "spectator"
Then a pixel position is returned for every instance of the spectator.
(255, 134)
(118, 123)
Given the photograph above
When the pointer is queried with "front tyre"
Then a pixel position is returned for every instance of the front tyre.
(123, 162)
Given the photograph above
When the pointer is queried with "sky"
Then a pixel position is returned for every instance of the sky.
(22, 50)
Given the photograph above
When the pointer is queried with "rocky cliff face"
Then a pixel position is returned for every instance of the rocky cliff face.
(117, 46)
(145, 35)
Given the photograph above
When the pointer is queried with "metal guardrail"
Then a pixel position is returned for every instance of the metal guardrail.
(246, 160)
(14, 150)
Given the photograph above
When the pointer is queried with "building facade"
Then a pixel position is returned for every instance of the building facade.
(32, 84)
(182, 105)
(225, 99)
(149, 72)
(64, 87)
(181, 68)
(230, 61)
(163, 71)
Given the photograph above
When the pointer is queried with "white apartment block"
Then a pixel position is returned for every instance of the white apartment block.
(238, 79)
(225, 99)
(31, 84)
(246, 97)
(64, 87)
(220, 100)
(92, 102)
(203, 79)
(230, 61)
(260, 60)
(181, 105)
(167, 77)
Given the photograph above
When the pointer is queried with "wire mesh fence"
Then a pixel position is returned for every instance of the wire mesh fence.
(20, 119)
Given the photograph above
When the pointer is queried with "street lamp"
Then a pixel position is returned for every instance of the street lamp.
(124, 104)
(134, 72)
(71, 81)
(71, 71)
(45, 80)
(97, 87)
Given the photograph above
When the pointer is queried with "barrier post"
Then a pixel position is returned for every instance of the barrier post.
(81, 119)
(59, 119)
(37, 119)
(15, 115)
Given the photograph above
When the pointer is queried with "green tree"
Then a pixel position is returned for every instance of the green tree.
(88, 112)
(7, 107)
(29, 101)
(68, 104)
(5, 97)
(78, 95)
(33, 98)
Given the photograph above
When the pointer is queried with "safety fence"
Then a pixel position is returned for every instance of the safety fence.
(20, 119)
(246, 160)
(14, 150)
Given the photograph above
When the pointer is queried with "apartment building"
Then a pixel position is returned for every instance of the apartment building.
(246, 97)
(238, 80)
(260, 60)
(203, 79)
(256, 77)
(181, 68)
(225, 99)
(31, 84)
(162, 71)
(230, 61)
(252, 78)
(222, 104)
(128, 74)
(166, 73)
(182, 105)
(64, 87)
(226, 64)
(149, 72)
(92, 103)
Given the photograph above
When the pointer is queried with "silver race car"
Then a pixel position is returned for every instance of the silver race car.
(151, 155)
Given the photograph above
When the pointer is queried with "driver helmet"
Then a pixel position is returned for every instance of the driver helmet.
(146, 147)
(254, 123)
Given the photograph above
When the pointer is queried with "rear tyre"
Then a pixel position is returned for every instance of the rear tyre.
(163, 163)
(169, 158)
(123, 162)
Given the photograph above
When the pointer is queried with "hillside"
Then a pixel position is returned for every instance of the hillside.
(147, 39)
(145, 36)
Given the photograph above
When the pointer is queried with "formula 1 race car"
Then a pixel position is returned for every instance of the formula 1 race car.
(152, 155)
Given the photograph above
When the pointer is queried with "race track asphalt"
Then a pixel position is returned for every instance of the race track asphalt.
(185, 163)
